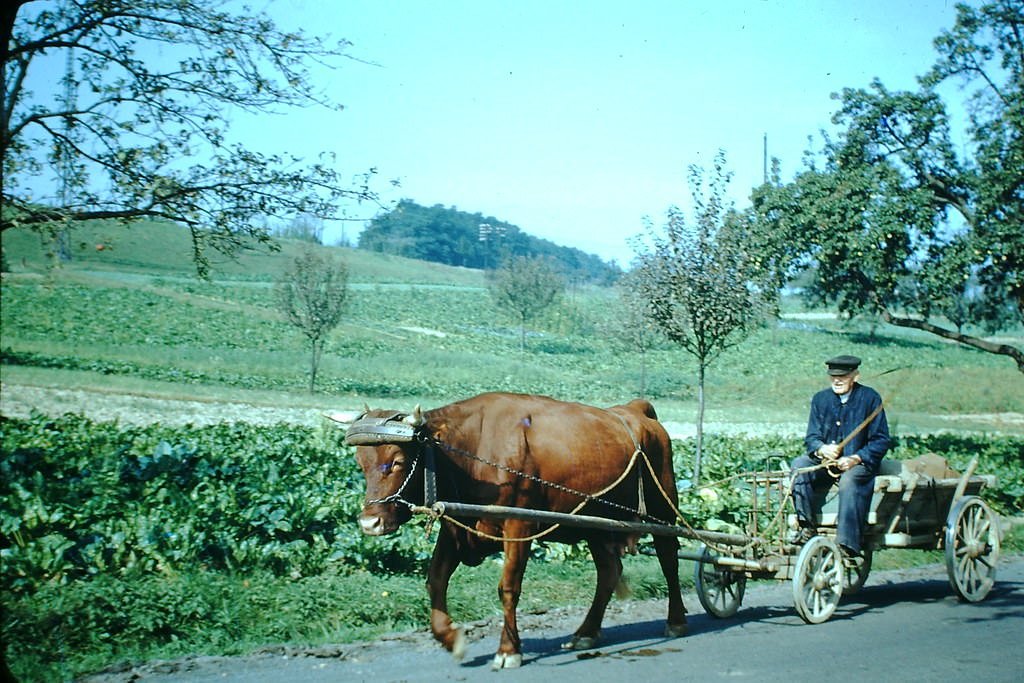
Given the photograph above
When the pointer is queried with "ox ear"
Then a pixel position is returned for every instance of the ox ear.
(416, 418)
(366, 408)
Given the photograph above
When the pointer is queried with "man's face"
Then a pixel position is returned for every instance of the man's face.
(842, 384)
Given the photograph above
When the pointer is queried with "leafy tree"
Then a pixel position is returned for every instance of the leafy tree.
(525, 287)
(312, 295)
(900, 217)
(629, 327)
(138, 125)
(703, 287)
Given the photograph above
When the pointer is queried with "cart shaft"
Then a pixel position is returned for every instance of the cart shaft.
(587, 521)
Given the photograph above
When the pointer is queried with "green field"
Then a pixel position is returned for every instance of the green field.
(107, 579)
(134, 315)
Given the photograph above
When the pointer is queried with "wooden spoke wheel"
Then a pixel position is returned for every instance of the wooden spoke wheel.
(818, 580)
(972, 548)
(855, 572)
(719, 589)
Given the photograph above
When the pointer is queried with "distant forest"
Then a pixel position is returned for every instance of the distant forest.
(457, 238)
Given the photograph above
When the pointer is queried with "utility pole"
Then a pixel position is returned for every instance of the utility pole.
(764, 161)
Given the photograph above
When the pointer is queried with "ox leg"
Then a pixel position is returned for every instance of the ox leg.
(510, 654)
(443, 563)
(667, 548)
(608, 562)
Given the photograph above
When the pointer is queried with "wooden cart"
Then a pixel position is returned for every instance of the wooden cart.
(910, 509)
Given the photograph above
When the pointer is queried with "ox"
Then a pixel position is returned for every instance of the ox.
(527, 452)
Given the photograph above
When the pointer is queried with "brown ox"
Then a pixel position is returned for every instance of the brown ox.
(508, 449)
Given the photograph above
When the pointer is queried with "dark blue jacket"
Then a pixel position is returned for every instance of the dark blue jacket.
(831, 421)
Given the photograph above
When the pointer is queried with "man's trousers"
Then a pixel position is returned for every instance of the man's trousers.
(856, 486)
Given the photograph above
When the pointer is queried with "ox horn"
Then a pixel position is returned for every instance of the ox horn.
(416, 418)
(343, 417)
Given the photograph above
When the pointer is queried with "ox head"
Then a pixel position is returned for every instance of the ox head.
(387, 452)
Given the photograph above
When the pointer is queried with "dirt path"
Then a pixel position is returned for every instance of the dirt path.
(19, 400)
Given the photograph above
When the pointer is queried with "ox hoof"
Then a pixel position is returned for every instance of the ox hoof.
(459, 644)
(582, 642)
(503, 661)
(677, 630)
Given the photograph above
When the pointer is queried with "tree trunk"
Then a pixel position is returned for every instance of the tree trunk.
(643, 374)
(700, 425)
(316, 348)
(8, 13)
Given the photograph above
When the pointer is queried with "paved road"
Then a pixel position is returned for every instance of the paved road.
(901, 626)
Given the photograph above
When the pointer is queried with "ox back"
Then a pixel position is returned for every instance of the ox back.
(535, 453)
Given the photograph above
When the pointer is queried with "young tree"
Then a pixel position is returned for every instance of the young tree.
(904, 219)
(312, 295)
(525, 287)
(629, 327)
(137, 127)
(703, 287)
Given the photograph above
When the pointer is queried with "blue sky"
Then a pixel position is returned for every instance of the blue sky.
(577, 120)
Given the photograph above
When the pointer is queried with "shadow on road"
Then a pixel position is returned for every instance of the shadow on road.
(641, 639)
(646, 638)
(1008, 594)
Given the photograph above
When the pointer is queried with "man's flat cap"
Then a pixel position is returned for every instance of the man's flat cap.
(842, 365)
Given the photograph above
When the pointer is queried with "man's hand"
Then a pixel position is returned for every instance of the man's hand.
(848, 462)
(829, 451)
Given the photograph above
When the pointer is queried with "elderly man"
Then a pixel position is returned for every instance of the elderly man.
(848, 431)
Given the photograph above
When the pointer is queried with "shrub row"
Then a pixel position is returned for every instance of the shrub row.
(80, 499)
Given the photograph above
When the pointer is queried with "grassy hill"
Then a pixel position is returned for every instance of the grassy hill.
(161, 248)
(131, 316)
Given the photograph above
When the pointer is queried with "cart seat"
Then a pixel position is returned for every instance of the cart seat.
(898, 482)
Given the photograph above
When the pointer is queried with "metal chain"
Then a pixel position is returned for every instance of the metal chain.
(560, 487)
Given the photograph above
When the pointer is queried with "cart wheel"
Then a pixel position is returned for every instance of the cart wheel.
(818, 580)
(855, 572)
(972, 548)
(719, 590)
